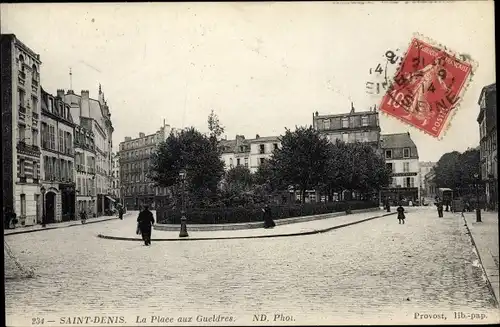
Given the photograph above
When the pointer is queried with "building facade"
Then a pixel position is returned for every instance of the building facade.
(425, 168)
(487, 120)
(350, 127)
(134, 160)
(94, 151)
(21, 154)
(115, 178)
(58, 164)
(430, 186)
(401, 157)
(250, 153)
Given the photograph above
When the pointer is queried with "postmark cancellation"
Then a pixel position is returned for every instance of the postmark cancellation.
(428, 86)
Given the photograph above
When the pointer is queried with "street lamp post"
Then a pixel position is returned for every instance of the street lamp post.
(183, 232)
(43, 205)
(478, 209)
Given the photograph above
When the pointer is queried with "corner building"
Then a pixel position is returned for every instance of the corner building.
(135, 154)
(21, 154)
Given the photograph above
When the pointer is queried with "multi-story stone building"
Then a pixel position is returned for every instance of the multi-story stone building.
(135, 154)
(250, 153)
(425, 168)
(115, 175)
(350, 127)
(58, 173)
(21, 93)
(487, 120)
(94, 150)
(401, 157)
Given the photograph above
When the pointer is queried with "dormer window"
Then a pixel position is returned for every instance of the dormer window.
(406, 152)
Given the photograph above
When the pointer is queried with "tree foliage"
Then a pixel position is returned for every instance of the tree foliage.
(302, 159)
(456, 170)
(215, 127)
(197, 155)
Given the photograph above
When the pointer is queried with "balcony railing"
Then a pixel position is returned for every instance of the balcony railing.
(22, 109)
(22, 74)
(34, 82)
(35, 115)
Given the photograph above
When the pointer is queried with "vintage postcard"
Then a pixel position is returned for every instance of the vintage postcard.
(249, 163)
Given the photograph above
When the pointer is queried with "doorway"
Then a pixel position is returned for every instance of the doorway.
(50, 207)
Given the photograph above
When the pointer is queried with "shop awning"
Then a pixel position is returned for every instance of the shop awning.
(110, 198)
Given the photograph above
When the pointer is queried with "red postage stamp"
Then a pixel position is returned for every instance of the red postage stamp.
(427, 87)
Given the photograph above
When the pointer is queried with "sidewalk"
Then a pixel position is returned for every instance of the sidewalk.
(485, 238)
(38, 227)
(305, 228)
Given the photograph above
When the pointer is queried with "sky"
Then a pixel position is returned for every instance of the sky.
(260, 66)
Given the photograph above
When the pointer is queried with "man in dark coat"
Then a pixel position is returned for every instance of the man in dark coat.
(145, 222)
(120, 212)
(440, 209)
(268, 220)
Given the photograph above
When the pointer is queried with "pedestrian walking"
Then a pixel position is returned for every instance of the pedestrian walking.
(120, 212)
(145, 221)
(401, 214)
(83, 216)
(388, 205)
(440, 209)
(268, 220)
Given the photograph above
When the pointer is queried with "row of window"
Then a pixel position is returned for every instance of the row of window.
(136, 154)
(140, 142)
(22, 169)
(142, 165)
(23, 135)
(141, 189)
(353, 137)
(135, 178)
(85, 186)
(82, 138)
(407, 182)
(489, 145)
(389, 153)
(345, 122)
(22, 101)
(392, 167)
(57, 169)
(64, 139)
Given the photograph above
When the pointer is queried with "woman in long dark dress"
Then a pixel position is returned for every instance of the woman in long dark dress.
(401, 214)
(268, 220)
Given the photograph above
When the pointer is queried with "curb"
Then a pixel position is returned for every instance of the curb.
(117, 238)
(58, 227)
(492, 290)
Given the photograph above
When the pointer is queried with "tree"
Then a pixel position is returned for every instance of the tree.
(239, 178)
(301, 160)
(214, 126)
(197, 155)
(456, 170)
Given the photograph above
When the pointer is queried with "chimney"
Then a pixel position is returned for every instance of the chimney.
(317, 113)
(70, 92)
(60, 93)
(85, 94)
(142, 135)
(352, 107)
(257, 136)
(128, 138)
(375, 108)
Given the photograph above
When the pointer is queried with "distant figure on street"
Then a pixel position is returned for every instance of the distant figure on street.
(145, 221)
(268, 220)
(401, 214)
(120, 212)
(10, 217)
(388, 205)
(410, 203)
(83, 216)
(440, 209)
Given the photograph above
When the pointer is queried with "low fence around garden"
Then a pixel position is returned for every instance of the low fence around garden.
(259, 224)
(235, 215)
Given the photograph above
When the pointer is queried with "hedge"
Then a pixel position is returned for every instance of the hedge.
(230, 215)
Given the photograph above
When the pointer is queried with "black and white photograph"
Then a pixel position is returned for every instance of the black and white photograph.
(249, 163)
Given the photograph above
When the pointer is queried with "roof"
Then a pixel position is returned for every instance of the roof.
(399, 140)
(346, 114)
(264, 139)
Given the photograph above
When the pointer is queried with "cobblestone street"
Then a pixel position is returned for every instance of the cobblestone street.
(373, 272)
